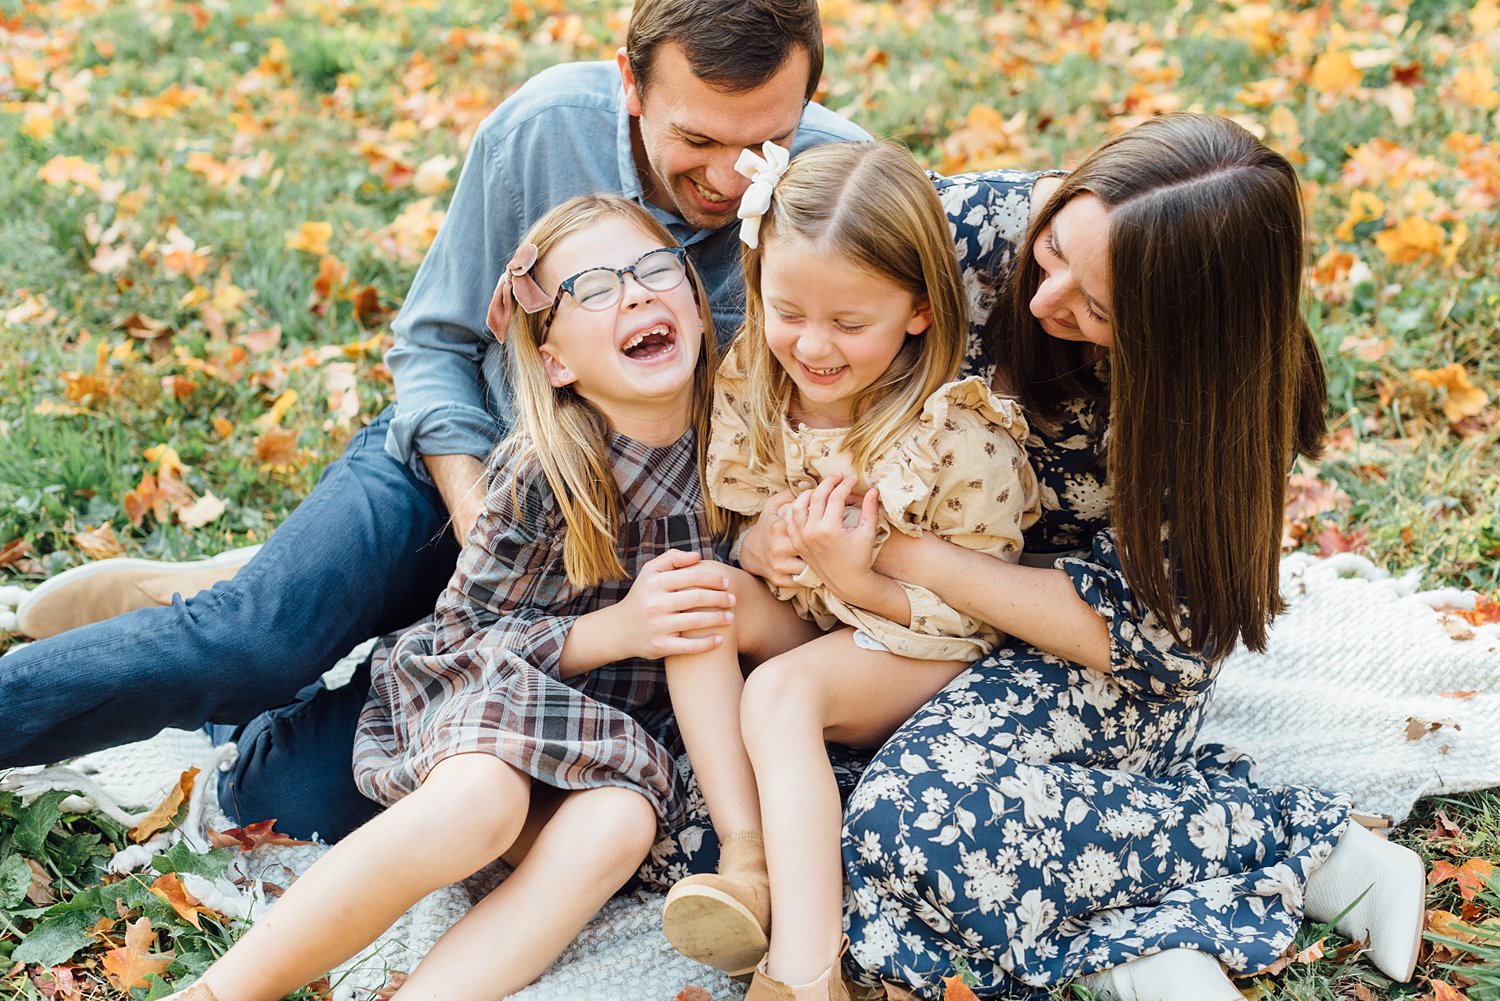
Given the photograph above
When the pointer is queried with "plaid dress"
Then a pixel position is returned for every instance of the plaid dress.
(481, 675)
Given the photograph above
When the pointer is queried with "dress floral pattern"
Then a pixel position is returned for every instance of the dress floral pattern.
(1038, 820)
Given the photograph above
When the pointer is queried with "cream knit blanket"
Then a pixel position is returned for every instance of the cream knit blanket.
(1362, 688)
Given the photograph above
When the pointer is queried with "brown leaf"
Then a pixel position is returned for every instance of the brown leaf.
(58, 983)
(187, 906)
(1331, 541)
(252, 836)
(1457, 628)
(367, 307)
(278, 448)
(1419, 728)
(14, 551)
(261, 340)
(166, 811)
(1445, 827)
(128, 967)
(40, 891)
(1484, 611)
(896, 992)
(692, 992)
(99, 544)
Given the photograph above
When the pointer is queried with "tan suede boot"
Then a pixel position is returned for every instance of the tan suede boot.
(724, 920)
(831, 986)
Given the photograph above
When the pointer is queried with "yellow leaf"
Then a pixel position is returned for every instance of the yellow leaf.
(38, 125)
(1476, 87)
(1409, 239)
(1464, 398)
(1363, 206)
(166, 810)
(311, 237)
(432, 175)
(1485, 16)
(169, 463)
(278, 410)
(1335, 73)
(223, 427)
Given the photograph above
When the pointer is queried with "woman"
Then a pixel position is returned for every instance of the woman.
(1047, 816)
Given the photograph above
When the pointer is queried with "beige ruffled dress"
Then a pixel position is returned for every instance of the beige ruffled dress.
(960, 471)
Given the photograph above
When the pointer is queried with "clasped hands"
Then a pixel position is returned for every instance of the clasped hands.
(811, 529)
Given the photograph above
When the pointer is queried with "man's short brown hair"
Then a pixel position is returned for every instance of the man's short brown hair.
(732, 45)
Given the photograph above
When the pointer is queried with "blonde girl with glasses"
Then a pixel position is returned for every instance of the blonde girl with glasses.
(524, 720)
(837, 421)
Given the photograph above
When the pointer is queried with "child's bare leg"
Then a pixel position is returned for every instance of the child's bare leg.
(463, 817)
(705, 691)
(829, 689)
(588, 849)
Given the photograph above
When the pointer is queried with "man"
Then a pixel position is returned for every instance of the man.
(369, 550)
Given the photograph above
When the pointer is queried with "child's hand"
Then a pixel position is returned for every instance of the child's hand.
(675, 594)
(766, 549)
(842, 556)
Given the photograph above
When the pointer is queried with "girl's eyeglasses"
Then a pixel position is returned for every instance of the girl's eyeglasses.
(598, 289)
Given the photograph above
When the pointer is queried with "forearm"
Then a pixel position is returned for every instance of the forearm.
(460, 479)
(1034, 604)
(878, 594)
(593, 642)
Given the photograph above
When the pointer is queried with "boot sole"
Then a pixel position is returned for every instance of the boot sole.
(34, 605)
(714, 929)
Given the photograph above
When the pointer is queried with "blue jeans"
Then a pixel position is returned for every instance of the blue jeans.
(366, 553)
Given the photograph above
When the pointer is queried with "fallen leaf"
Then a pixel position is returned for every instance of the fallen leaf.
(223, 427)
(367, 307)
(1464, 399)
(1444, 827)
(1471, 877)
(954, 989)
(202, 511)
(39, 893)
(1457, 695)
(277, 448)
(14, 551)
(1444, 991)
(1457, 628)
(1331, 540)
(896, 992)
(187, 906)
(1484, 611)
(99, 544)
(129, 966)
(264, 339)
(397, 979)
(252, 836)
(311, 237)
(692, 992)
(166, 811)
(1419, 728)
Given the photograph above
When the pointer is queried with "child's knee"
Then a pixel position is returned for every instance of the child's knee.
(625, 821)
(482, 802)
(775, 692)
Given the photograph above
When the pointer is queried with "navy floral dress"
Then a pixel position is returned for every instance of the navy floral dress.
(1038, 820)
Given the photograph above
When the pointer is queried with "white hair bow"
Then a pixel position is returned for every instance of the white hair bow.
(763, 172)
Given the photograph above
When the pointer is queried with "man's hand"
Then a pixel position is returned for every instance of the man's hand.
(766, 550)
(460, 479)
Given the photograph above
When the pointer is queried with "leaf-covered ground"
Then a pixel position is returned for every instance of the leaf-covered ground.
(212, 209)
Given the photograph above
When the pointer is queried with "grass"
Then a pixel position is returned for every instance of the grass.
(205, 137)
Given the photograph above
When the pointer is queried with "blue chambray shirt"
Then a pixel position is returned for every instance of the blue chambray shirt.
(565, 132)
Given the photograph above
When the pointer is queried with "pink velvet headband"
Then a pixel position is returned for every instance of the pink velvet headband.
(516, 284)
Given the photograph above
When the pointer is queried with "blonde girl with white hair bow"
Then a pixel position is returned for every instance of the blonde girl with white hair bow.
(837, 421)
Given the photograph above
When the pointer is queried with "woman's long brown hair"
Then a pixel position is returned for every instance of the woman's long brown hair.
(1215, 382)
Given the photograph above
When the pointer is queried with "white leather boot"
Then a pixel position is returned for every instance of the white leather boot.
(1391, 913)
(1173, 975)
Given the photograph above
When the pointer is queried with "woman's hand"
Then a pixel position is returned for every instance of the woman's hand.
(766, 549)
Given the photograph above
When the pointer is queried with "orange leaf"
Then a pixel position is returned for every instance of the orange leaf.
(1471, 877)
(252, 836)
(1484, 611)
(166, 810)
(222, 427)
(1464, 398)
(954, 989)
(1409, 239)
(692, 992)
(187, 906)
(129, 966)
(14, 551)
(100, 544)
(1444, 991)
(277, 448)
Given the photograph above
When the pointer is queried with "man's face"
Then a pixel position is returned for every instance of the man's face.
(690, 134)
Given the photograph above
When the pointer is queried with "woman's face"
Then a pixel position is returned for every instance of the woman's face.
(1073, 300)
